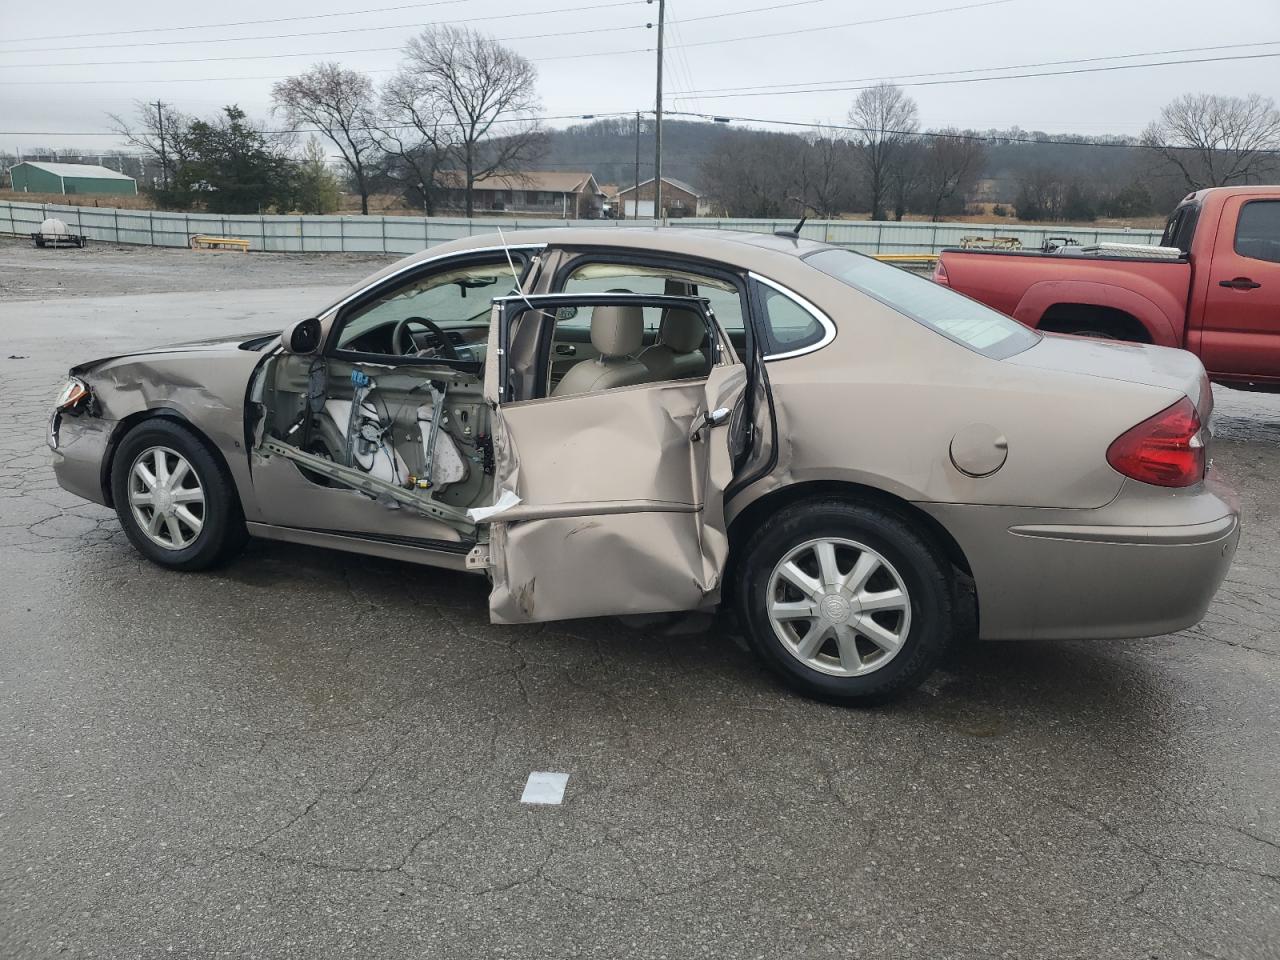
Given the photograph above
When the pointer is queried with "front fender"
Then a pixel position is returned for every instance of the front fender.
(1157, 310)
(205, 390)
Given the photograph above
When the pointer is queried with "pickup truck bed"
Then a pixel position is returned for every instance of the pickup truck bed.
(1220, 299)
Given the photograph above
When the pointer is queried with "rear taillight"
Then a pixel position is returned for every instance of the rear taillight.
(940, 275)
(1167, 449)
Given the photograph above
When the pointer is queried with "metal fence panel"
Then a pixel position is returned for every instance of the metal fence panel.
(404, 235)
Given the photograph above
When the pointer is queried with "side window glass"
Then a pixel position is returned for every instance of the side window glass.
(408, 319)
(1258, 230)
(726, 302)
(790, 325)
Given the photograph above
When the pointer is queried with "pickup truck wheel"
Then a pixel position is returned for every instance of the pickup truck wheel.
(175, 502)
(845, 602)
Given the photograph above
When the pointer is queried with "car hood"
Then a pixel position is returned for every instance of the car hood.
(1130, 362)
(249, 342)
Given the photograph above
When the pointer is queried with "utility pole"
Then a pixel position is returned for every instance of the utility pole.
(164, 158)
(635, 201)
(657, 133)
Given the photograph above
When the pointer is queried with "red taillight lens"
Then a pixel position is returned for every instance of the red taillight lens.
(1167, 449)
(940, 275)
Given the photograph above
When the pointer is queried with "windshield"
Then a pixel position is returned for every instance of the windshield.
(956, 317)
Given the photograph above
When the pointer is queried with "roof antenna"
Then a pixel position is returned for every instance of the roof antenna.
(794, 232)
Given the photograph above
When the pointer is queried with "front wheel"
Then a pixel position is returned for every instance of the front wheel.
(176, 503)
(845, 602)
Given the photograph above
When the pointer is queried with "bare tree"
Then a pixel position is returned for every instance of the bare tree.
(886, 119)
(754, 174)
(479, 84)
(157, 130)
(419, 137)
(339, 103)
(951, 163)
(826, 172)
(1216, 141)
(905, 176)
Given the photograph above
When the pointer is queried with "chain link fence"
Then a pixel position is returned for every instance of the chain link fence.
(403, 235)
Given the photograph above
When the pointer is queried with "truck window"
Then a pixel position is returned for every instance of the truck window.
(1180, 227)
(1258, 230)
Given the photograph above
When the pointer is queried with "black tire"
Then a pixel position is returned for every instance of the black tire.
(222, 533)
(923, 568)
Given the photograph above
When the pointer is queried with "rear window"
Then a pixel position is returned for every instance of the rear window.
(956, 317)
(1180, 227)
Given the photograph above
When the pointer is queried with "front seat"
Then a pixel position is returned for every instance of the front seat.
(677, 354)
(617, 334)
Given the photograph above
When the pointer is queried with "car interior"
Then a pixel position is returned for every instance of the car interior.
(398, 397)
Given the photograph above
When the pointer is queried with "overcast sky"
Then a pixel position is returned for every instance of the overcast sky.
(40, 105)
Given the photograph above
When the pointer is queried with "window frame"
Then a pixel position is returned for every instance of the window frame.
(1235, 234)
(777, 351)
(512, 308)
(523, 257)
(577, 257)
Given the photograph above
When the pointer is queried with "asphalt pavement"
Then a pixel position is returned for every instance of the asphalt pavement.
(313, 754)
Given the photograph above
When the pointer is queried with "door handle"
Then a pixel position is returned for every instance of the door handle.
(715, 418)
(565, 349)
(1240, 283)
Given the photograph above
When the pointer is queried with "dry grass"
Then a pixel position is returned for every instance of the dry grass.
(140, 202)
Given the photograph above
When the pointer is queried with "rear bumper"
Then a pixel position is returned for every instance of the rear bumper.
(79, 445)
(1146, 564)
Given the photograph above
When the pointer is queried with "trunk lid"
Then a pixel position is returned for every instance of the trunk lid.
(1130, 362)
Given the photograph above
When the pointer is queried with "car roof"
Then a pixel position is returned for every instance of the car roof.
(737, 246)
(768, 254)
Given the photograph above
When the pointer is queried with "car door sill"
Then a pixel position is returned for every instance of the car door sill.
(435, 553)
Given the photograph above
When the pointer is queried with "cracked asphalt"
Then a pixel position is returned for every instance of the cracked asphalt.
(310, 754)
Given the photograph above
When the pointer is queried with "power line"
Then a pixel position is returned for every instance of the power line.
(572, 56)
(1007, 76)
(747, 89)
(382, 126)
(233, 23)
(353, 13)
(940, 135)
(320, 33)
(841, 26)
(322, 53)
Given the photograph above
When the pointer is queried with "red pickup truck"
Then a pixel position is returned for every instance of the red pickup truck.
(1211, 287)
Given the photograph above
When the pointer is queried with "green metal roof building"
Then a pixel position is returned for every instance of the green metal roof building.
(32, 176)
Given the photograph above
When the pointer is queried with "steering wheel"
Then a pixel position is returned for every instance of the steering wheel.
(402, 338)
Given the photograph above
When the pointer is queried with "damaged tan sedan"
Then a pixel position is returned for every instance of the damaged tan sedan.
(856, 463)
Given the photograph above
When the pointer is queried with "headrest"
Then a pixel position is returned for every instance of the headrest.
(681, 330)
(617, 331)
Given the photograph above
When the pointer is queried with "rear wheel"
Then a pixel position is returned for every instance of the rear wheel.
(845, 602)
(174, 500)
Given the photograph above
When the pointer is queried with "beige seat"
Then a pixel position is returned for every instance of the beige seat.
(678, 353)
(617, 334)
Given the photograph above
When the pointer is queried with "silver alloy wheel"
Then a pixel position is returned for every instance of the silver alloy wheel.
(838, 607)
(166, 497)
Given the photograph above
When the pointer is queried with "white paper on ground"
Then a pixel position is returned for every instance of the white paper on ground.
(544, 787)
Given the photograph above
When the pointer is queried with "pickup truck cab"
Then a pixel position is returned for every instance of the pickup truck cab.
(1212, 286)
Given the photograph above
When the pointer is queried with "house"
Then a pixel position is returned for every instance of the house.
(539, 193)
(679, 199)
(32, 176)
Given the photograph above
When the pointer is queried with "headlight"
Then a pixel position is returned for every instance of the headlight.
(74, 391)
